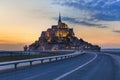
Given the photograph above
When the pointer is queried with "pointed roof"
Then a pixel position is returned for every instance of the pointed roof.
(59, 18)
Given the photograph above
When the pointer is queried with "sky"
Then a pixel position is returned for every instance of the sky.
(22, 21)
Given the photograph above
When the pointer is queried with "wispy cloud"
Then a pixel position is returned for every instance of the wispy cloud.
(117, 31)
(108, 10)
(87, 23)
(1, 41)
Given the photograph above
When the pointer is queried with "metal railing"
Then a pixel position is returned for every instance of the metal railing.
(13, 53)
(50, 59)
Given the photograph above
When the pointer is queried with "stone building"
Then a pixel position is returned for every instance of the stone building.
(60, 37)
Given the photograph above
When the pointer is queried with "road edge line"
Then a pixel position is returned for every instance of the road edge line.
(66, 74)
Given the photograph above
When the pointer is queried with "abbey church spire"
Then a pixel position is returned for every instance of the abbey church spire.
(59, 21)
(61, 24)
(59, 18)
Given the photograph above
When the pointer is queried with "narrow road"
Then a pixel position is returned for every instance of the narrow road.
(90, 66)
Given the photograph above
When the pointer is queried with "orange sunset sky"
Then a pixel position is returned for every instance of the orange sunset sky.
(22, 21)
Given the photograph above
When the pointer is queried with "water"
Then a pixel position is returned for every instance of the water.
(113, 50)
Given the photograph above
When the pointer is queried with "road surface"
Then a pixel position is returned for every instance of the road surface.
(90, 66)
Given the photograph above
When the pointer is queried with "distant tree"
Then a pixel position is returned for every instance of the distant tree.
(25, 48)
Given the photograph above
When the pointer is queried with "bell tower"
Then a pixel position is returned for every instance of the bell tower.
(59, 21)
(59, 18)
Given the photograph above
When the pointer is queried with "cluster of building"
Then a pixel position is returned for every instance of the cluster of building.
(60, 37)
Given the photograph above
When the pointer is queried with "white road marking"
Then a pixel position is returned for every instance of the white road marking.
(66, 74)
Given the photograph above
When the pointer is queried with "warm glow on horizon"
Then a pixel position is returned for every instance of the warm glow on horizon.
(98, 36)
(22, 21)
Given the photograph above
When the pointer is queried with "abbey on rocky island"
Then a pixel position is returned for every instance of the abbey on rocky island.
(60, 37)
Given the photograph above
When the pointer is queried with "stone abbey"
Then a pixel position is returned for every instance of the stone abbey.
(60, 37)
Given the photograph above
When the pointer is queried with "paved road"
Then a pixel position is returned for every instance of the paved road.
(90, 66)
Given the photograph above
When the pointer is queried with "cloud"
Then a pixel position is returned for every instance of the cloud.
(108, 10)
(11, 47)
(87, 23)
(117, 31)
(3, 41)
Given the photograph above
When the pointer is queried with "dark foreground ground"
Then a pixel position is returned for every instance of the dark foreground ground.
(90, 66)
(12, 56)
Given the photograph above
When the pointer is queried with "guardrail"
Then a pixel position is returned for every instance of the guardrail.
(56, 58)
(12, 53)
